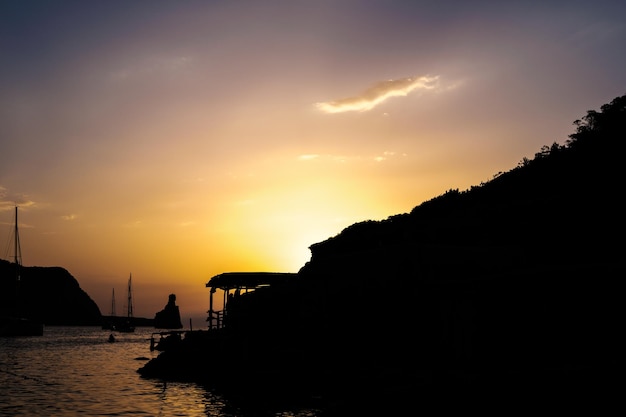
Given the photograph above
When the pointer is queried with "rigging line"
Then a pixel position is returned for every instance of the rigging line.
(8, 247)
(12, 239)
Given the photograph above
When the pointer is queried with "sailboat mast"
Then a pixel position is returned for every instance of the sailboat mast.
(18, 263)
(113, 303)
(17, 249)
(130, 297)
(18, 325)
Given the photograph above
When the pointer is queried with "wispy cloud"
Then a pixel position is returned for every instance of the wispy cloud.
(386, 155)
(8, 200)
(378, 93)
(162, 66)
(308, 157)
(134, 224)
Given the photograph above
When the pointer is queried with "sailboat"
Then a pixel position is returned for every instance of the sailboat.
(16, 325)
(109, 322)
(127, 325)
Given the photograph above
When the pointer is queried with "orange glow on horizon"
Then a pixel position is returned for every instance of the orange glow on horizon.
(183, 153)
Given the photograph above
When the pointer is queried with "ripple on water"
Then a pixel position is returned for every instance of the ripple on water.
(75, 371)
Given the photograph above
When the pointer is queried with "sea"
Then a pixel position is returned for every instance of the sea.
(76, 371)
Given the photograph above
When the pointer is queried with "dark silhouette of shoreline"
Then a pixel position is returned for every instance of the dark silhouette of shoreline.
(49, 295)
(510, 289)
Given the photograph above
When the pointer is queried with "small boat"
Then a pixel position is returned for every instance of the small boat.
(19, 326)
(127, 325)
(16, 325)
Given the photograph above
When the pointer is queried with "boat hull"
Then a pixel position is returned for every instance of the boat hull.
(13, 326)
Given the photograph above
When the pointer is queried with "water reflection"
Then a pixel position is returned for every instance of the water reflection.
(76, 371)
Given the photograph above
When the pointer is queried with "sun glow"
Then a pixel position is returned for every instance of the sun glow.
(183, 153)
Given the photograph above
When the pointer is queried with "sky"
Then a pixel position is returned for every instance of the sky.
(177, 140)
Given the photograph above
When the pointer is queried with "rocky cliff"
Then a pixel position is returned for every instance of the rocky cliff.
(507, 293)
(519, 275)
(47, 294)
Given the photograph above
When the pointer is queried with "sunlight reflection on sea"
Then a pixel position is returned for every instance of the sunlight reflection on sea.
(75, 371)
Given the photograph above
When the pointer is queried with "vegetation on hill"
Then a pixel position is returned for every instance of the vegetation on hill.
(521, 272)
(515, 280)
(512, 286)
(562, 204)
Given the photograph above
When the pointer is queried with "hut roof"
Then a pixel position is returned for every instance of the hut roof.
(248, 280)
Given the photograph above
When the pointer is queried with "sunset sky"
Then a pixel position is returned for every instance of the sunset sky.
(176, 140)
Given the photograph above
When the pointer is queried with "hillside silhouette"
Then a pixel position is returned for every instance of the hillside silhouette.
(517, 277)
(49, 295)
(568, 194)
(511, 286)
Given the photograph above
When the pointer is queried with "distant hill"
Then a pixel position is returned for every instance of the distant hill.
(47, 294)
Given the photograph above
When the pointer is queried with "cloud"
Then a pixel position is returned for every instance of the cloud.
(158, 66)
(386, 155)
(8, 200)
(308, 157)
(378, 93)
(324, 158)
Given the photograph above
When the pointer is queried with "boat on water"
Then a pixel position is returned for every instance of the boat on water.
(16, 324)
(127, 324)
(109, 323)
(19, 326)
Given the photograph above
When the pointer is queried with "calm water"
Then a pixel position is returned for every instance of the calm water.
(74, 371)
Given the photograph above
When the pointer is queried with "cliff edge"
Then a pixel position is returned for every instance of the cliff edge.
(50, 295)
